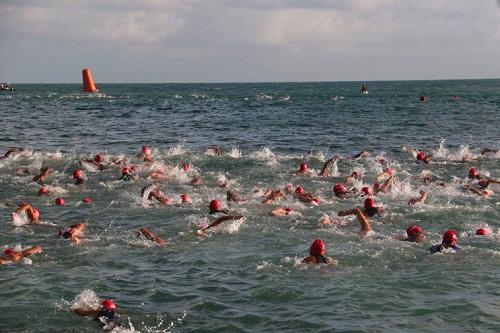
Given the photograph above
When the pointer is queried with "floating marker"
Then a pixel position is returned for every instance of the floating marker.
(88, 82)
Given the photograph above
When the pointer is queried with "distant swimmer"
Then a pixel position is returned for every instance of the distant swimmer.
(32, 213)
(74, 233)
(482, 232)
(151, 236)
(325, 171)
(474, 174)
(449, 243)
(78, 176)
(385, 187)
(97, 161)
(216, 207)
(303, 168)
(153, 192)
(11, 152)
(202, 231)
(43, 191)
(129, 173)
(364, 89)
(352, 177)
(232, 196)
(369, 209)
(423, 98)
(44, 172)
(213, 150)
(415, 234)
(479, 191)
(365, 226)
(281, 211)
(340, 191)
(317, 252)
(105, 314)
(422, 157)
(306, 197)
(361, 154)
(145, 155)
(486, 151)
(12, 256)
(420, 199)
(273, 196)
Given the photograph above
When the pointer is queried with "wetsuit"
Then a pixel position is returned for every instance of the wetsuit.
(321, 259)
(371, 211)
(441, 247)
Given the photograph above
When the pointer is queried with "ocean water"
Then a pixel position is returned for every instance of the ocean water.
(246, 276)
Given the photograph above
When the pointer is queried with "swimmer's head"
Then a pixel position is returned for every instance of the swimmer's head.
(369, 203)
(215, 206)
(8, 251)
(365, 190)
(420, 156)
(146, 150)
(59, 201)
(473, 173)
(288, 210)
(415, 233)
(77, 174)
(299, 190)
(339, 188)
(87, 200)
(303, 167)
(185, 167)
(481, 232)
(125, 171)
(377, 187)
(450, 237)
(185, 198)
(108, 305)
(43, 191)
(317, 248)
(98, 158)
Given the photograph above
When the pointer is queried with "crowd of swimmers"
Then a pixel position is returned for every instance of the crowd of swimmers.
(383, 182)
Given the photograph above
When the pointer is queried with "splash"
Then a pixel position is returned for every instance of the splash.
(441, 151)
(176, 151)
(235, 153)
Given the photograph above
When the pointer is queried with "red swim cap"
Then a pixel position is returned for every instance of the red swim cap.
(299, 190)
(450, 237)
(303, 167)
(317, 248)
(315, 201)
(98, 158)
(376, 186)
(59, 201)
(146, 150)
(288, 210)
(214, 206)
(125, 171)
(369, 203)
(472, 172)
(420, 156)
(108, 304)
(77, 173)
(87, 200)
(43, 191)
(8, 251)
(413, 230)
(481, 232)
(366, 190)
(185, 198)
(339, 188)
(185, 167)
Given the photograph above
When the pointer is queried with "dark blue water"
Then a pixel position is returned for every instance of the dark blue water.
(247, 277)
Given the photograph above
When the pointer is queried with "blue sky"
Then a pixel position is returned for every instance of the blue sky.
(242, 41)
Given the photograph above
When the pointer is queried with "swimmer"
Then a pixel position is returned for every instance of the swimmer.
(369, 209)
(202, 231)
(281, 211)
(11, 152)
(473, 174)
(145, 155)
(128, 173)
(74, 233)
(151, 236)
(303, 168)
(232, 196)
(215, 207)
(105, 314)
(272, 196)
(385, 187)
(97, 161)
(196, 181)
(354, 176)
(214, 150)
(365, 191)
(78, 176)
(422, 157)
(421, 199)
(415, 234)
(385, 174)
(44, 172)
(185, 199)
(326, 167)
(12, 256)
(43, 191)
(32, 213)
(482, 193)
(482, 232)
(365, 226)
(157, 194)
(340, 191)
(306, 197)
(317, 252)
(361, 154)
(486, 151)
(449, 242)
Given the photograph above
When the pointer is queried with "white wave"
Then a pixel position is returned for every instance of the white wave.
(176, 151)
(235, 153)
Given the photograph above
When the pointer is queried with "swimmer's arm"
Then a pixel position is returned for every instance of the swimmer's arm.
(326, 166)
(85, 313)
(473, 189)
(32, 250)
(223, 219)
(348, 212)
(152, 237)
(421, 199)
(363, 153)
(363, 221)
(387, 184)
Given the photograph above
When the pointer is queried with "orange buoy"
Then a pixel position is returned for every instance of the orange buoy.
(88, 82)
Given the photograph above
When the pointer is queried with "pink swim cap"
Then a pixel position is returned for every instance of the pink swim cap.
(413, 230)
(108, 304)
(369, 203)
(185, 198)
(77, 174)
(303, 167)
(8, 251)
(98, 158)
(87, 200)
(146, 150)
(59, 201)
(472, 172)
(420, 156)
(214, 206)
(481, 232)
(43, 191)
(125, 171)
(288, 210)
(339, 188)
(185, 167)
(450, 237)
(317, 248)
(299, 190)
(365, 190)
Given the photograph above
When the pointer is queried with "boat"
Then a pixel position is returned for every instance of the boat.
(6, 87)
(364, 89)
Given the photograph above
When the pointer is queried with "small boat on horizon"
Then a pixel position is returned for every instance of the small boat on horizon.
(6, 87)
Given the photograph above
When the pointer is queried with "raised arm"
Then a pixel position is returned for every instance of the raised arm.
(223, 219)
(152, 237)
(363, 221)
(421, 199)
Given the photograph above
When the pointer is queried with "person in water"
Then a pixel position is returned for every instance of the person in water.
(415, 234)
(32, 213)
(449, 242)
(216, 207)
(281, 211)
(98, 161)
(151, 236)
(129, 173)
(317, 252)
(156, 194)
(365, 226)
(369, 209)
(145, 155)
(420, 199)
(325, 171)
(44, 172)
(422, 157)
(361, 154)
(340, 191)
(105, 314)
(272, 196)
(202, 231)
(11, 152)
(74, 233)
(306, 197)
(78, 176)
(12, 256)
(214, 150)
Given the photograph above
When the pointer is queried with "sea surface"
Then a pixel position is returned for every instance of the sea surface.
(246, 275)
